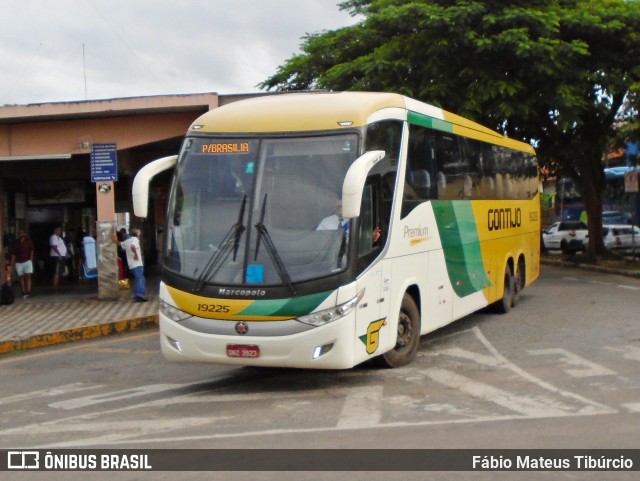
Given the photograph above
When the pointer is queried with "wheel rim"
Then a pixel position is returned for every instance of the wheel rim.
(407, 335)
(405, 331)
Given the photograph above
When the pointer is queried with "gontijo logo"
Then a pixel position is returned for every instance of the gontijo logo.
(507, 218)
(372, 338)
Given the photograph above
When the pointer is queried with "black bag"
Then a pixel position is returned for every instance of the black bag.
(6, 294)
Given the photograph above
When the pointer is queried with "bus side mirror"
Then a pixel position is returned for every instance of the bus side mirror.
(140, 189)
(354, 182)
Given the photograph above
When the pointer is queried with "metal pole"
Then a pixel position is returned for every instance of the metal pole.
(562, 191)
(633, 225)
(2, 228)
(84, 67)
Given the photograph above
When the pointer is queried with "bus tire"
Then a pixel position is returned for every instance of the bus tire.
(407, 337)
(504, 305)
(519, 280)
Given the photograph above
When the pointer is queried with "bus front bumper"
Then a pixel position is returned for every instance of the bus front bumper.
(326, 347)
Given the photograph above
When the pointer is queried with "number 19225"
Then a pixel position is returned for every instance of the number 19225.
(213, 308)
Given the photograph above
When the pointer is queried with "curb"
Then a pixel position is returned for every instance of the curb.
(589, 267)
(80, 333)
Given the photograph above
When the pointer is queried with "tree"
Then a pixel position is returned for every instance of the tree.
(551, 72)
(628, 129)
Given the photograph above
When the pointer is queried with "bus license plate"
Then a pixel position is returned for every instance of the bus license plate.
(243, 350)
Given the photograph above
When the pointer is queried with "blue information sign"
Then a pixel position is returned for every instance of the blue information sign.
(104, 163)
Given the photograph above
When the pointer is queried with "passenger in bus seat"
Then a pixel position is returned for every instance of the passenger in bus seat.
(442, 181)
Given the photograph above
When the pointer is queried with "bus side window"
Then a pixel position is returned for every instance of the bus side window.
(420, 174)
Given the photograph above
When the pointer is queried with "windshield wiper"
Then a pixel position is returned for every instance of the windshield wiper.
(263, 235)
(239, 228)
(231, 241)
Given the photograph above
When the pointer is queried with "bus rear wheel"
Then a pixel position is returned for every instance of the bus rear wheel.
(519, 280)
(407, 337)
(505, 304)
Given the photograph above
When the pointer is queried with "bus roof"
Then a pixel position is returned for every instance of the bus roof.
(321, 111)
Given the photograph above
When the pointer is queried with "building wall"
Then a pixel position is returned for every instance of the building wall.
(56, 137)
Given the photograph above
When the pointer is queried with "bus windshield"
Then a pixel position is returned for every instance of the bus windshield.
(261, 211)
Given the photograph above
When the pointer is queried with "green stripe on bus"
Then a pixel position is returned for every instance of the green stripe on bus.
(430, 122)
(461, 246)
(291, 307)
(263, 307)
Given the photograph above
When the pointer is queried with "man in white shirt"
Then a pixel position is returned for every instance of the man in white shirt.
(57, 254)
(131, 245)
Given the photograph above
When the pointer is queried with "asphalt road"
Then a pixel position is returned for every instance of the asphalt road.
(561, 371)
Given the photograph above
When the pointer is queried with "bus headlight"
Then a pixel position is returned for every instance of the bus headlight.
(326, 316)
(173, 312)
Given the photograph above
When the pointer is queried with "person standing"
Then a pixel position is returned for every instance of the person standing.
(22, 261)
(123, 268)
(131, 246)
(57, 255)
(70, 258)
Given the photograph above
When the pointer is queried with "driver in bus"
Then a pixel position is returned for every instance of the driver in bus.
(335, 221)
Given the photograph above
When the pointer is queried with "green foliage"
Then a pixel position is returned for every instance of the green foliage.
(551, 72)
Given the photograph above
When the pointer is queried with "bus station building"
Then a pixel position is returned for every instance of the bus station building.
(48, 177)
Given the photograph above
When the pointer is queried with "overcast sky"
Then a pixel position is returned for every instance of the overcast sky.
(149, 47)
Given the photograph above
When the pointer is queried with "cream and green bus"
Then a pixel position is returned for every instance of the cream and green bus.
(322, 230)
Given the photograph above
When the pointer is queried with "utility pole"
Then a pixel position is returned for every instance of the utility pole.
(84, 68)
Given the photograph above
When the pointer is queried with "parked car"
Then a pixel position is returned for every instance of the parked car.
(621, 237)
(568, 236)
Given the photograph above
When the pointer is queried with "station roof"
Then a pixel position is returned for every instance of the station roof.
(12, 114)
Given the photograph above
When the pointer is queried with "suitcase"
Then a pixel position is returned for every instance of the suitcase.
(6, 294)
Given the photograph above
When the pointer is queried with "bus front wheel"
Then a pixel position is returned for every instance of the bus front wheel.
(407, 337)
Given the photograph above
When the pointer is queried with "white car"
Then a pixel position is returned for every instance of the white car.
(568, 235)
(621, 237)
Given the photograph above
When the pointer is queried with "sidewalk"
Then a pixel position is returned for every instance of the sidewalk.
(72, 313)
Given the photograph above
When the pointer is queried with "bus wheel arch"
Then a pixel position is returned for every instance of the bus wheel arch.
(408, 332)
